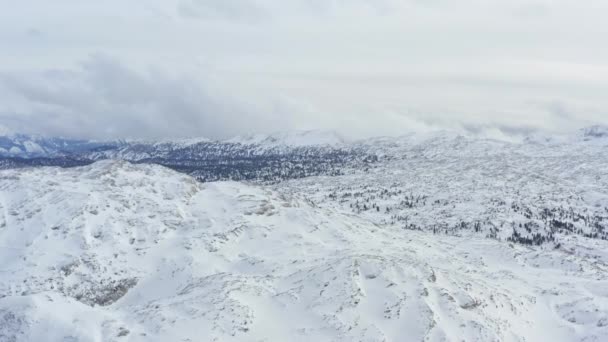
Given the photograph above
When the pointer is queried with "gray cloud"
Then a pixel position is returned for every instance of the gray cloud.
(365, 67)
(103, 98)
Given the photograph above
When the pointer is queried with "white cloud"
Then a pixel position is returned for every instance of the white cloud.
(223, 67)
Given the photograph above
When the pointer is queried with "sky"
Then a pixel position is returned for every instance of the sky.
(220, 68)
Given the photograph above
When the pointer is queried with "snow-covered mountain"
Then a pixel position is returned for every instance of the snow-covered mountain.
(31, 146)
(529, 193)
(594, 132)
(28, 146)
(280, 143)
(525, 192)
(120, 252)
(266, 158)
(292, 139)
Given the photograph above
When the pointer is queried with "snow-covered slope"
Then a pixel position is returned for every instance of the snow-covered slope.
(121, 252)
(531, 193)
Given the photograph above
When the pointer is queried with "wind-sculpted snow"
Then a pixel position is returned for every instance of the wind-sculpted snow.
(120, 252)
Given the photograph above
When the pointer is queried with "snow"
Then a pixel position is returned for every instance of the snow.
(15, 150)
(292, 139)
(32, 147)
(596, 131)
(442, 182)
(122, 252)
(185, 142)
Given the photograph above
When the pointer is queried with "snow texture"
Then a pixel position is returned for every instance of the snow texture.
(120, 252)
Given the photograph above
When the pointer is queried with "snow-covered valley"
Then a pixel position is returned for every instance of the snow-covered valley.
(120, 252)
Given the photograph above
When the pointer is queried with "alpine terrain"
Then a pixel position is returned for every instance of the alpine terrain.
(305, 236)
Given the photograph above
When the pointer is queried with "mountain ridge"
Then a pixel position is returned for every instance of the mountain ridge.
(24, 146)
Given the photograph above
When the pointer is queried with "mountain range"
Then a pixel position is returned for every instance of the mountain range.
(300, 237)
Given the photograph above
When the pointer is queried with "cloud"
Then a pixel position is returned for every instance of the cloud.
(247, 10)
(257, 11)
(103, 98)
(365, 67)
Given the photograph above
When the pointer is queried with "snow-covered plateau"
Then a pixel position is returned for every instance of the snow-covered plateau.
(115, 251)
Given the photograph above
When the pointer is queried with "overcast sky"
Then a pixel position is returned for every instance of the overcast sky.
(218, 68)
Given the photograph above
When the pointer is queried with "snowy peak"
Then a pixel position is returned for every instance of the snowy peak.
(32, 146)
(15, 145)
(595, 132)
(182, 143)
(26, 146)
(292, 139)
